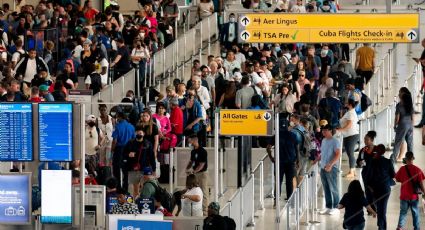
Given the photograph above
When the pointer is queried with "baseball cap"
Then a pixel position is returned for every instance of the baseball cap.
(91, 118)
(43, 88)
(323, 123)
(147, 171)
(214, 206)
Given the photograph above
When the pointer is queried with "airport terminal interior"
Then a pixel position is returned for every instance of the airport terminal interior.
(189, 114)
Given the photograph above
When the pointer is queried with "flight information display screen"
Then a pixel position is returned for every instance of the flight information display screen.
(55, 132)
(16, 132)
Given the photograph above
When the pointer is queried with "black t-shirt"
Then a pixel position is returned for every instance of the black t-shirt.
(198, 156)
(353, 209)
(150, 137)
(124, 63)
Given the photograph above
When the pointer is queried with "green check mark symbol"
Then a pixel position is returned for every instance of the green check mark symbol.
(294, 36)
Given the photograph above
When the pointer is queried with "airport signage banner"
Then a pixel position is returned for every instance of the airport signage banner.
(143, 224)
(323, 28)
(246, 122)
(15, 198)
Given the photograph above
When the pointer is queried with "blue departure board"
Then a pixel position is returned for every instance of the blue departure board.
(16, 132)
(55, 132)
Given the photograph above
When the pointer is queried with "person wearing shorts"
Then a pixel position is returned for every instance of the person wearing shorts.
(138, 154)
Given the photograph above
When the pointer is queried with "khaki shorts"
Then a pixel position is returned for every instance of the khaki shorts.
(134, 177)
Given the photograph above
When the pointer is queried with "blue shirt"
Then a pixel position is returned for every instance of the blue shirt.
(123, 133)
(328, 149)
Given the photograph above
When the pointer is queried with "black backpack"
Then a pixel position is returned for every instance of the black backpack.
(167, 198)
(365, 102)
(262, 103)
(230, 223)
(96, 82)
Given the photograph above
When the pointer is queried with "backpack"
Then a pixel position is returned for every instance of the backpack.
(96, 82)
(262, 103)
(306, 146)
(167, 198)
(230, 223)
(365, 102)
(21, 55)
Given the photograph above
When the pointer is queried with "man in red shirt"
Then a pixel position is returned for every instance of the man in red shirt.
(35, 95)
(176, 119)
(408, 175)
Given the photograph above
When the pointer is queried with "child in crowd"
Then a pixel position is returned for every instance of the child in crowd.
(353, 201)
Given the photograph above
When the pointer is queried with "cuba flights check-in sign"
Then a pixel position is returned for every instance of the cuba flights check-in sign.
(246, 122)
(338, 28)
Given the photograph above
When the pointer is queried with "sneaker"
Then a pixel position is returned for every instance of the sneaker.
(324, 211)
(333, 211)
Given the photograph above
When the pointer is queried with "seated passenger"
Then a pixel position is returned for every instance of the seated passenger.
(123, 206)
(192, 198)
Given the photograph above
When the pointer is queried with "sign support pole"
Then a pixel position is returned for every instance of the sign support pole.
(277, 165)
(82, 165)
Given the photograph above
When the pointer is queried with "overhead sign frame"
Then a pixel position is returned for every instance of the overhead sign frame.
(339, 28)
(245, 122)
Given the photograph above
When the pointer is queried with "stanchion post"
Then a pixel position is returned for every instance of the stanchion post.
(137, 73)
(262, 185)
(171, 172)
(216, 145)
(221, 171)
(277, 165)
(209, 34)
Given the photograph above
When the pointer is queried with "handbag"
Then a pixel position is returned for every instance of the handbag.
(415, 184)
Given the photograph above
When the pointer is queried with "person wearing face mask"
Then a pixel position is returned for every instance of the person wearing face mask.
(138, 154)
(94, 140)
(228, 34)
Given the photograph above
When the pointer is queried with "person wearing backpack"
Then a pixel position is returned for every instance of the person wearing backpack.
(303, 144)
(93, 81)
(411, 178)
(94, 140)
(215, 221)
(150, 183)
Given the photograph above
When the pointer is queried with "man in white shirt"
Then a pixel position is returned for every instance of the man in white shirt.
(94, 139)
(256, 80)
(240, 57)
(102, 67)
(20, 52)
(202, 92)
(299, 7)
(28, 67)
(231, 63)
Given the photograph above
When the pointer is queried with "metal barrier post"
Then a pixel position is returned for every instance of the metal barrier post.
(221, 171)
(297, 209)
(137, 73)
(216, 144)
(306, 200)
(252, 223)
(209, 34)
(277, 158)
(171, 172)
(314, 220)
(262, 185)
(152, 72)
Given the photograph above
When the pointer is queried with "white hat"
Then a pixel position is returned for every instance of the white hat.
(91, 118)
(113, 3)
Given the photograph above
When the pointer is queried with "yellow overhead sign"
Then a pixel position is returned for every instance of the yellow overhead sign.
(246, 122)
(339, 28)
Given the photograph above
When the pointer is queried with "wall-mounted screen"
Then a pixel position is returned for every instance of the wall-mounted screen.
(56, 199)
(15, 198)
(55, 131)
(16, 135)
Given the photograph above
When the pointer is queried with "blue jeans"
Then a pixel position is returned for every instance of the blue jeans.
(330, 187)
(356, 227)
(404, 208)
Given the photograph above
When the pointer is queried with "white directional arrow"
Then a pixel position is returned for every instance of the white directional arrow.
(245, 35)
(411, 35)
(245, 21)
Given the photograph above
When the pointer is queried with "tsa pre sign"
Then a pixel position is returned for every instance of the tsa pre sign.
(246, 122)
